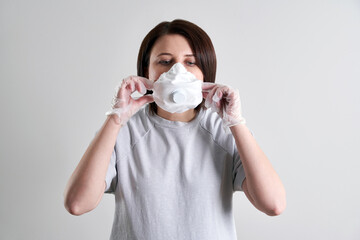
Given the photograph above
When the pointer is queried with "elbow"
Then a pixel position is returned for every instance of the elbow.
(277, 209)
(77, 205)
(74, 210)
(73, 207)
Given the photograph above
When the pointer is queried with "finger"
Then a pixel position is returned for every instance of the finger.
(209, 97)
(127, 88)
(207, 86)
(144, 100)
(147, 83)
(212, 92)
(230, 95)
(204, 94)
(131, 84)
(140, 86)
(123, 92)
(218, 94)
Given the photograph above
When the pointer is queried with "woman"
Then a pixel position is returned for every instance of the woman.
(174, 174)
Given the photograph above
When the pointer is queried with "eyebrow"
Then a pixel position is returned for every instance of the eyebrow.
(169, 54)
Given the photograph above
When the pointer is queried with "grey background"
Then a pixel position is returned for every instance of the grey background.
(296, 63)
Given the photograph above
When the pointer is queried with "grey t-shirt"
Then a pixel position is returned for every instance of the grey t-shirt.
(174, 180)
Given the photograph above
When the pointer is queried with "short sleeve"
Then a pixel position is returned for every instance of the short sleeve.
(238, 172)
(111, 175)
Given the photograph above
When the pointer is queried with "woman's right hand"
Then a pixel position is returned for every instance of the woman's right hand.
(86, 185)
(123, 105)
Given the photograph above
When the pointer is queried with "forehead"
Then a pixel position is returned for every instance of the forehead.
(171, 43)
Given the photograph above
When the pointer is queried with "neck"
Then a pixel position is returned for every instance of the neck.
(186, 116)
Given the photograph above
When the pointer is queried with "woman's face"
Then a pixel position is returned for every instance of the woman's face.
(168, 50)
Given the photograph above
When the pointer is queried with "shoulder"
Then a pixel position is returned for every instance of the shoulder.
(212, 124)
(139, 123)
(136, 128)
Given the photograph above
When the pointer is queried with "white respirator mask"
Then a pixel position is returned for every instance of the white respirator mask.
(177, 90)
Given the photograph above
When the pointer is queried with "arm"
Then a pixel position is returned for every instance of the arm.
(262, 185)
(87, 183)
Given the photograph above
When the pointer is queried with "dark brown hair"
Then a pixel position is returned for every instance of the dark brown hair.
(199, 42)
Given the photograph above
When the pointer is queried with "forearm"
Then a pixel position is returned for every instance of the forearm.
(262, 182)
(86, 185)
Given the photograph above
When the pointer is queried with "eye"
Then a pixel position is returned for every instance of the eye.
(190, 63)
(165, 62)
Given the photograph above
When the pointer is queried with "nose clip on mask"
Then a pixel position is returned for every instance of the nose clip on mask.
(177, 90)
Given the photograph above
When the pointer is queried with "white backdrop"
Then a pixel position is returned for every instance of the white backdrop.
(296, 63)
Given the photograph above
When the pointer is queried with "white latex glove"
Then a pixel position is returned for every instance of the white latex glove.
(225, 101)
(123, 105)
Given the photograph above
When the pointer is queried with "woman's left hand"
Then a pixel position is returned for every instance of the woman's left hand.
(225, 101)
